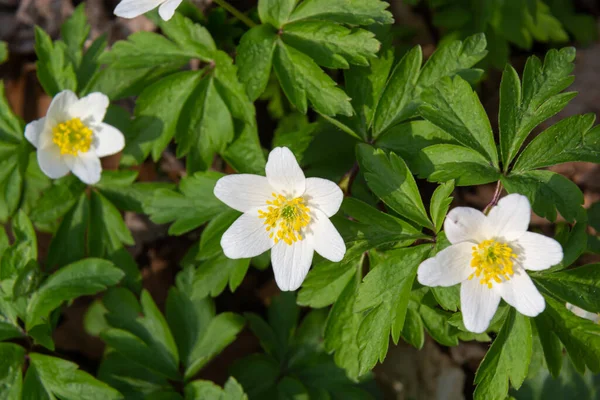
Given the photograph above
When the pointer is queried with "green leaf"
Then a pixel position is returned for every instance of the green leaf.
(63, 379)
(410, 138)
(365, 84)
(331, 45)
(208, 390)
(447, 297)
(54, 71)
(523, 107)
(258, 375)
(572, 139)
(385, 293)
(119, 188)
(413, 330)
(210, 241)
(3, 52)
(85, 277)
(296, 133)
(440, 202)
(391, 180)
(157, 112)
(193, 205)
(213, 275)
(189, 36)
(453, 58)
(580, 337)
(255, 59)
(443, 162)
(437, 323)
(275, 12)
(89, 66)
(74, 32)
(205, 127)
(107, 231)
(301, 78)
(11, 126)
(579, 286)
(453, 106)
(11, 380)
(551, 346)
(141, 334)
(507, 359)
(353, 12)
(547, 192)
(69, 242)
(147, 49)
(58, 199)
(397, 100)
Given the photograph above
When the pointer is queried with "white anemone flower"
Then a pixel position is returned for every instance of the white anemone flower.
(489, 257)
(284, 212)
(135, 8)
(580, 312)
(72, 136)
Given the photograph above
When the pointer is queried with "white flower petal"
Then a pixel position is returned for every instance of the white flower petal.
(108, 140)
(135, 8)
(478, 304)
(538, 252)
(449, 267)
(86, 166)
(284, 173)
(243, 192)
(510, 218)
(58, 111)
(51, 163)
(291, 263)
(33, 131)
(464, 224)
(90, 109)
(520, 292)
(323, 194)
(325, 238)
(167, 9)
(246, 237)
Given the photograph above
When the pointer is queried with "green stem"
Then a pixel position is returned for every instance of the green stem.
(237, 13)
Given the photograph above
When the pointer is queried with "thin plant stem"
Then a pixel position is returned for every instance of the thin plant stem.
(495, 199)
(236, 13)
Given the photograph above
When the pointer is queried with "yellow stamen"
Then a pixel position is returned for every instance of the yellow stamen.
(284, 218)
(493, 262)
(72, 137)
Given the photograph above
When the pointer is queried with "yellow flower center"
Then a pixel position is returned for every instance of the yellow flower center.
(284, 218)
(492, 261)
(72, 137)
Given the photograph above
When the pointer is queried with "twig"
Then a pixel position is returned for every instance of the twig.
(235, 12)
(495, 199)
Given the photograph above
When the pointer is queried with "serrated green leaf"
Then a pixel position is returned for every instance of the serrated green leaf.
(23, 250)
(579, 286)
(213, 275)
(189, 208)
(397, 100)
(301, 78)
(507, 359)
(443, 162)
(54, 71)
(208, 390)
(413, 330)
(275, 12)
(447, 297)
(580, 337)
(63, 379)
(205, 127)
(353, 12)
(437, 324)
(391, 180)
(140, 332)
(524, 106)
(572, 139)
(547, 192)
(440, 202)
(58, 199)
(74, 32)
(85, 277)
(157, 112)
(454, 107)
(331, 45)
(385, 292)
(255, 59)
(296, 133)
(89, 66)
(11, 379)
(107, 231)
(189, 36)
(551, 345)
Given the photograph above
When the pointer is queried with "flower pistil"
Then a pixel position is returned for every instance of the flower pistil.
(72, 137)
(284, 218)
(492, 261)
